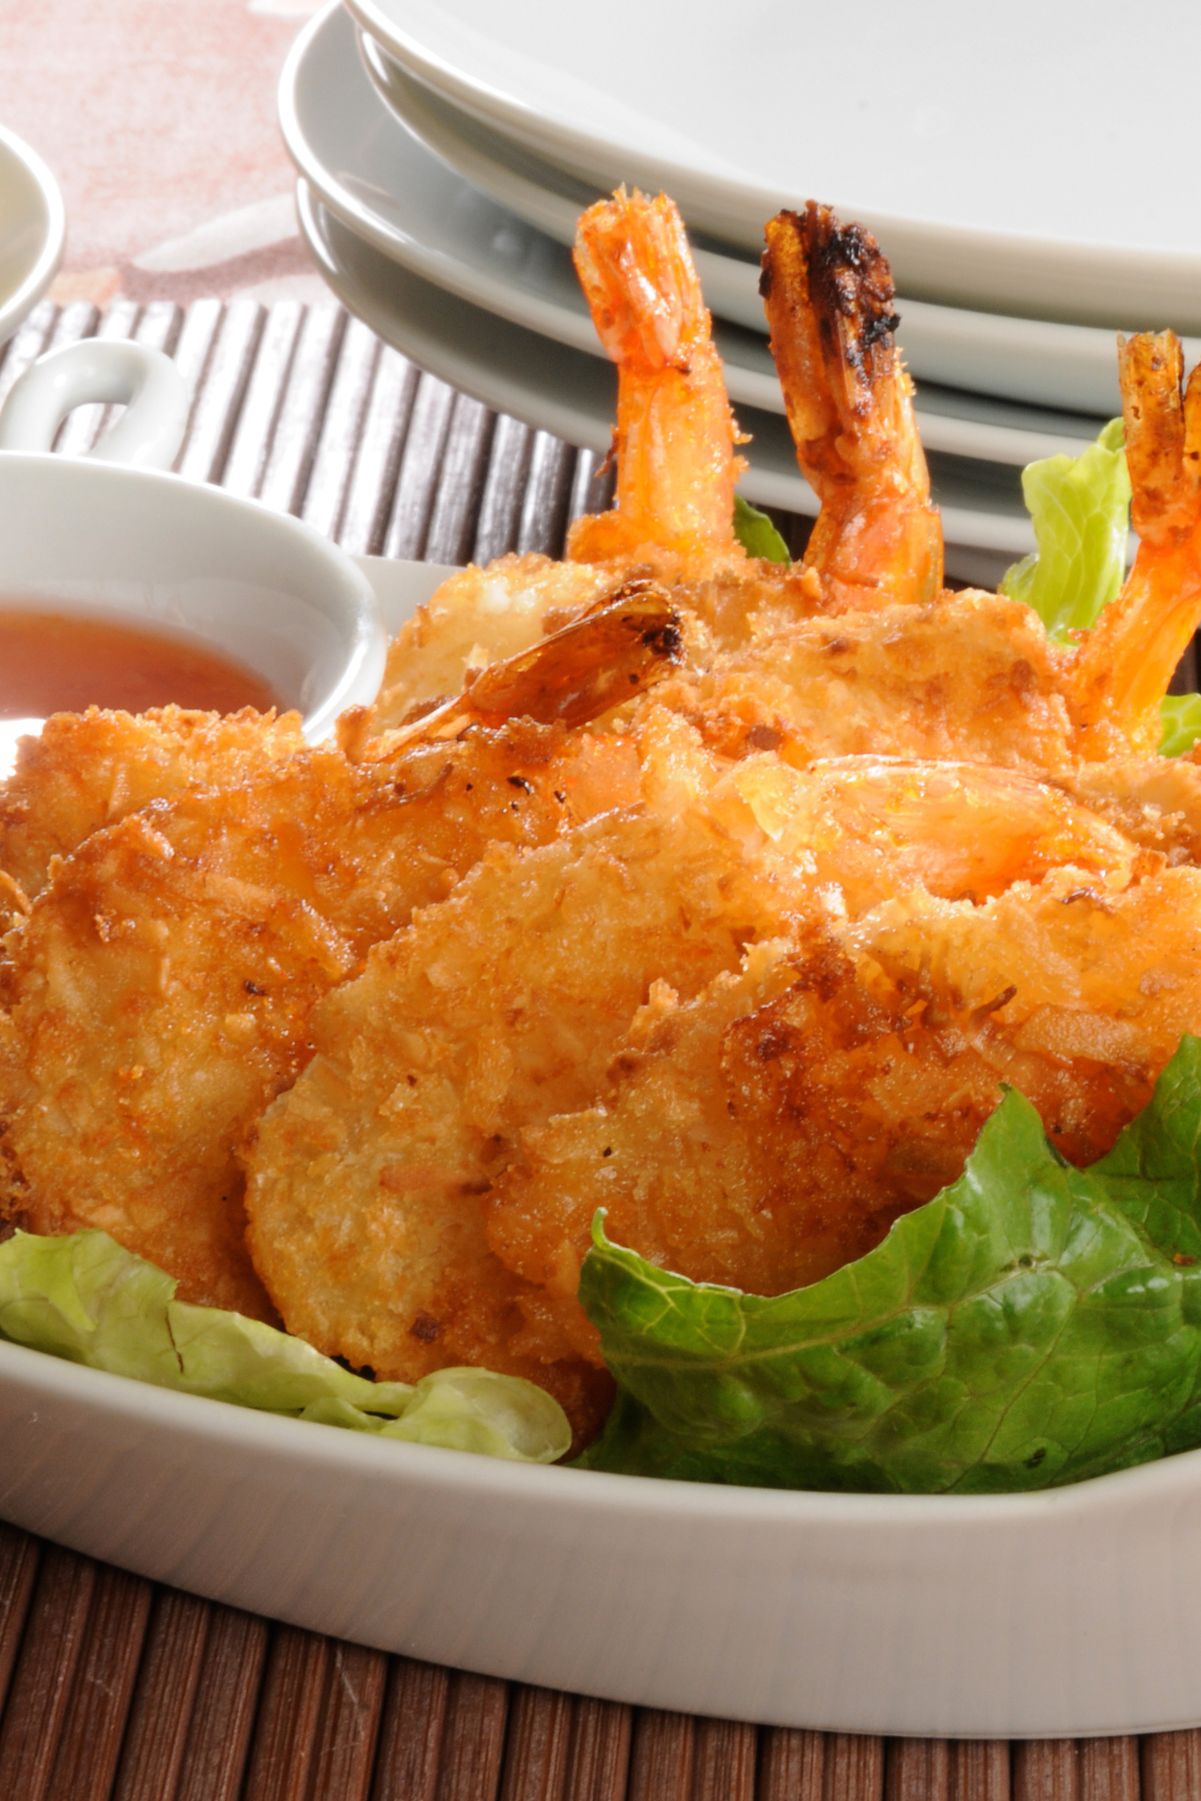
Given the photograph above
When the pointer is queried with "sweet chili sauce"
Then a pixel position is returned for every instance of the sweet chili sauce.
(63, 663)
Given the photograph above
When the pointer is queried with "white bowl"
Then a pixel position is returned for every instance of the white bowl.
(32, 230)
(112, 535)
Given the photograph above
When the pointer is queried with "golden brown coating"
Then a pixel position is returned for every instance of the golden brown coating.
(88, 770)
(622, 645)
(1077, 998)
(969, 675)
(493, 1010)
(664, 1151)
(865, 828)
(162, 984)
(483, 616)
(1153, 801)
(774, 1126)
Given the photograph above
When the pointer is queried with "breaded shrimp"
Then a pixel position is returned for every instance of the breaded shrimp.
(677, 467)
(966, 676)
(620, 646)
(870, 827)
(162, 984)
(828, 293)
(773, 1126)
(1128, 659)
(87, 770)
(493, 1010)
(663, 1150)
(505, 1005)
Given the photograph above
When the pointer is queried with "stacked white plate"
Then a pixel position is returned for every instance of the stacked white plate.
(446, 148)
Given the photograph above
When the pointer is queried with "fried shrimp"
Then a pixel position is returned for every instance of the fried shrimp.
(966, 676)
(477, 617)
(675, 443)
(870, 827)
(88, 770)
(1128, 659)
(506, 1005)
(773, 1126)
(662, 1148)
(828, 294)
(619, 647)
(493, 1010)
(722, 896)
(162, 984)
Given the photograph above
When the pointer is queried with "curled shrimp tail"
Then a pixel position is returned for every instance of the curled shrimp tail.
(829, 297)
(621, 646)
(675, 436)
(1126, 662)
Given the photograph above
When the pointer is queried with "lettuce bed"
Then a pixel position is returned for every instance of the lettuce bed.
(1034, 1324)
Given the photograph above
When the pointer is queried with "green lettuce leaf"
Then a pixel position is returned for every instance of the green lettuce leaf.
(1032, 1325)
(1080, 510)
(756, 533)
(85, 1298)
(1181, 714)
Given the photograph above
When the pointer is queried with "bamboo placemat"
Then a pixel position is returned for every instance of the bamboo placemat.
(114, 1687)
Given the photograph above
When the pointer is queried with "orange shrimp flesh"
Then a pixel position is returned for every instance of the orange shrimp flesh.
(1127, 661)
(675, 436)
(828, 294)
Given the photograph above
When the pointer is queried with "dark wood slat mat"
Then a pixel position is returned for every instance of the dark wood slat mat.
(112, 1687)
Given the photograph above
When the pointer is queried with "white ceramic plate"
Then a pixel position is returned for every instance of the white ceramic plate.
(32, 230)
(552, 386)
(381, 181)
(1032, 1616)
(1040, 361)
(1009, 159)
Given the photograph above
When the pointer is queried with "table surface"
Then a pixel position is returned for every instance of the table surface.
(159, 124)
(114, 1686)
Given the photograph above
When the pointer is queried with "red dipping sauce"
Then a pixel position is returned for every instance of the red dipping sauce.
(66, 662)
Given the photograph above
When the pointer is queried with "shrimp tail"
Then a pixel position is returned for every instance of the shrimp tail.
(675, 436)
(1124, 665)
(828, 294)
(625, 642)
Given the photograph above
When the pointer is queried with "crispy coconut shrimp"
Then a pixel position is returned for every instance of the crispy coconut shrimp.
(162, 985)
(501, 1006)
(1126, 662)
(506, 1005)
(677, 465)
(973, 675)
(88, 770)
(478, 617)
(829, 296)
(967, 676)
(870, 827)
(772, 1127)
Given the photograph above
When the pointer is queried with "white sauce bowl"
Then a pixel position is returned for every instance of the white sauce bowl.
(112, 536)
